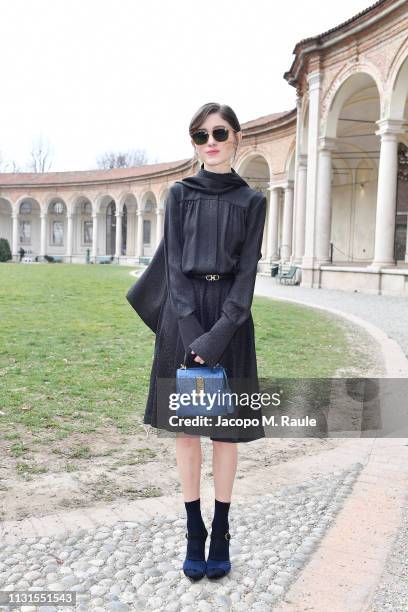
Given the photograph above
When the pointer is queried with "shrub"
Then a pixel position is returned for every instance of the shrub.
(5, 251)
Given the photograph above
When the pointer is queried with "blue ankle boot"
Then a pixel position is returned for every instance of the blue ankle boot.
(218, 562)
(194, 566)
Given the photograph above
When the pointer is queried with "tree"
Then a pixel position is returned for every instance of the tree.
(40, 157)
(8, 166)
(133, 158)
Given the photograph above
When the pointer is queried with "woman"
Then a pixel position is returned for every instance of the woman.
(208, 259)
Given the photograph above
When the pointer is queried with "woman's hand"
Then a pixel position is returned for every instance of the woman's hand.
(197, 358)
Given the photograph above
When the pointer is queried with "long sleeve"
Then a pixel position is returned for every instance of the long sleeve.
(237, 306)
(148, 293)
(180, 287)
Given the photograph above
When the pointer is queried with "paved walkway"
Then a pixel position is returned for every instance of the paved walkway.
(362, 562)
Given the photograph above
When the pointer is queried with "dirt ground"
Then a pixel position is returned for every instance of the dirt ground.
(86, 470)
(118, 466)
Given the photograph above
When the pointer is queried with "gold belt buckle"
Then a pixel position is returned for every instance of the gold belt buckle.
(211, 277)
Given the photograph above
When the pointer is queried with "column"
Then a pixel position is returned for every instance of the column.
(387, 191)
(118, 237)
(406, 248)
(139, 240)
(312, 165)
(43, 240)
(298, 147)
(272, 238)
(323, 204)
(15, 236)
(131, 241)
(94, 236)
(159, 225)
(68, 251)
(300, 208)
(287, 224)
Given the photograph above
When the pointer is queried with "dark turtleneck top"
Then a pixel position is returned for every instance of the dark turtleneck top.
(213, 222)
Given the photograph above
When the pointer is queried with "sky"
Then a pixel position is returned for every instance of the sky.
(91, 76)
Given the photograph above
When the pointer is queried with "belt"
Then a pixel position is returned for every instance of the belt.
(213, 277)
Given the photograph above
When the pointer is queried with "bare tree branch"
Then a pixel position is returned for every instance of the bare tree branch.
(8, 166)
(40, 157)
(133, 158)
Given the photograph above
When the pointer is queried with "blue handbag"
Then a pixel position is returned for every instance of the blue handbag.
(210, 380)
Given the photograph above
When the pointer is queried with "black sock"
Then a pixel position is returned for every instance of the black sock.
(195, 523)
(195, 526)
(219, 548)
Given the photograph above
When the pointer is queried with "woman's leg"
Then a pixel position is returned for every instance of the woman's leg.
(188, 457)
(225, 459)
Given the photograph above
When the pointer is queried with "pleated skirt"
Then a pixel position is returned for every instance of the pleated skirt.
(239, 361)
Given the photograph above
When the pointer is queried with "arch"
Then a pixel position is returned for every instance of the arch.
(102, 201)
(343, 87)
(162, 197)
(290, 161)
(6, 227)
(75, 201)
(51, 199)
(149, 198)
(26, 197)
(397, 84)
(246, 158)
(123, 197)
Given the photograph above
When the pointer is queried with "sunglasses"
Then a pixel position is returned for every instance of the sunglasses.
(220, 134)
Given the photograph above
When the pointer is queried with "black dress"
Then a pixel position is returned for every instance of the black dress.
(213, 224)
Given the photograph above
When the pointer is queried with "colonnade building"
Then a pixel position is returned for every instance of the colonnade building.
(334, 170)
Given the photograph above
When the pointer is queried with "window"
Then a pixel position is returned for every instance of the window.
(58, 208)
(87, 208)
(25, 208)
(57, 233)
(25, 232)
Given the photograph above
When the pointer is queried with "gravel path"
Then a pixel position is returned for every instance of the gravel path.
(137, 565)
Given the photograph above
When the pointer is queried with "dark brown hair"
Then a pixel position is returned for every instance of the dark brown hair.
(224, 110)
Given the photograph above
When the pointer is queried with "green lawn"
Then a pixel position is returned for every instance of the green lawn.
(74, 356)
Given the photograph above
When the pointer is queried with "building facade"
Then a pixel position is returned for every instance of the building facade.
(334, 169)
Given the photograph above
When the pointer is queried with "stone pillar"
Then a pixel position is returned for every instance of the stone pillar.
(139, 239)
(43, 240)
(299, 249)
(298, 146)
(15, 237)
(94, 236)
(159, 225)
(314, 80)
(118, 237)
(387, 191)
(68, 251)
(287, 224)
(406, 249)
(272, 238)
(323, 204)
